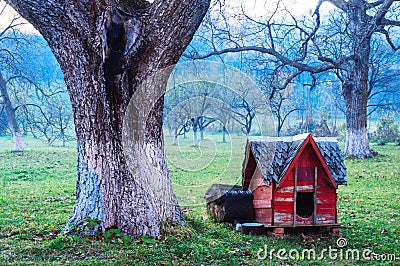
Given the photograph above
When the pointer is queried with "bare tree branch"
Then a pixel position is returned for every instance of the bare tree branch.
(375, 4)
(389, 22)
(285, 60)
(34, 105)
(11, 26)
(389, 40)
(37, 87)
(383, 9)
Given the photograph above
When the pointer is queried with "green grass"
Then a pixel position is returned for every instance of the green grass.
(37, 196)
(194, 169)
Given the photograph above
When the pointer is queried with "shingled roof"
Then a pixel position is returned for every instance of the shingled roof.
(274, 155)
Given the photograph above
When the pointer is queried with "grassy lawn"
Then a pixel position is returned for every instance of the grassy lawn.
(37, 196)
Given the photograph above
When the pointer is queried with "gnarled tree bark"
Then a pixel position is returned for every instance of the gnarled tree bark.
(355, 82)
(106, 49)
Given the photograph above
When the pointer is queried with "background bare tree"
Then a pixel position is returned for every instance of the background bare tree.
(223, 114)
(384, 77)
(33, 93)
(339, 42)
(176, 116)
(7, 61)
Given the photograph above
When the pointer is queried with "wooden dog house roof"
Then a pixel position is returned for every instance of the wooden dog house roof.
(274, 155)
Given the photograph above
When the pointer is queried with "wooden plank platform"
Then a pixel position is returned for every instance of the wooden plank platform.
(338, 225)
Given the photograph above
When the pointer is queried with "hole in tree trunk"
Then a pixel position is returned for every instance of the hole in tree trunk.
(305, 204)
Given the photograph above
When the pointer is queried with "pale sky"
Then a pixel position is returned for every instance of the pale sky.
(253, 7)
(263, 7)
(8, 14)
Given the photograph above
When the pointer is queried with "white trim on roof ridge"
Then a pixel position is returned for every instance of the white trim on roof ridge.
(300, 136)
(290, 138)
(278, 139)
(325, 139)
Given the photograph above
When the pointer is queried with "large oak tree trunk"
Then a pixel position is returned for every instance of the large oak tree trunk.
(356, 97)
(12, 120)
(355, 86)
(106, 52)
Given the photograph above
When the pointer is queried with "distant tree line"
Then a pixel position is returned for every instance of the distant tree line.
(33, 96)
(299, 101)
(350, 51)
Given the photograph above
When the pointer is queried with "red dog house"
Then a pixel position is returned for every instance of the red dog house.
(294, 179)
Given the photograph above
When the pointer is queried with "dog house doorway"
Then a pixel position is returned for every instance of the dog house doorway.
(305, 204)
(305, 192)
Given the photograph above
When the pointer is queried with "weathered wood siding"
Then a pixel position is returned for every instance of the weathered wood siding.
(262, 199)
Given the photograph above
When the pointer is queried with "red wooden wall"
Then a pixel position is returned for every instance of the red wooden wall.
(283, 195)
